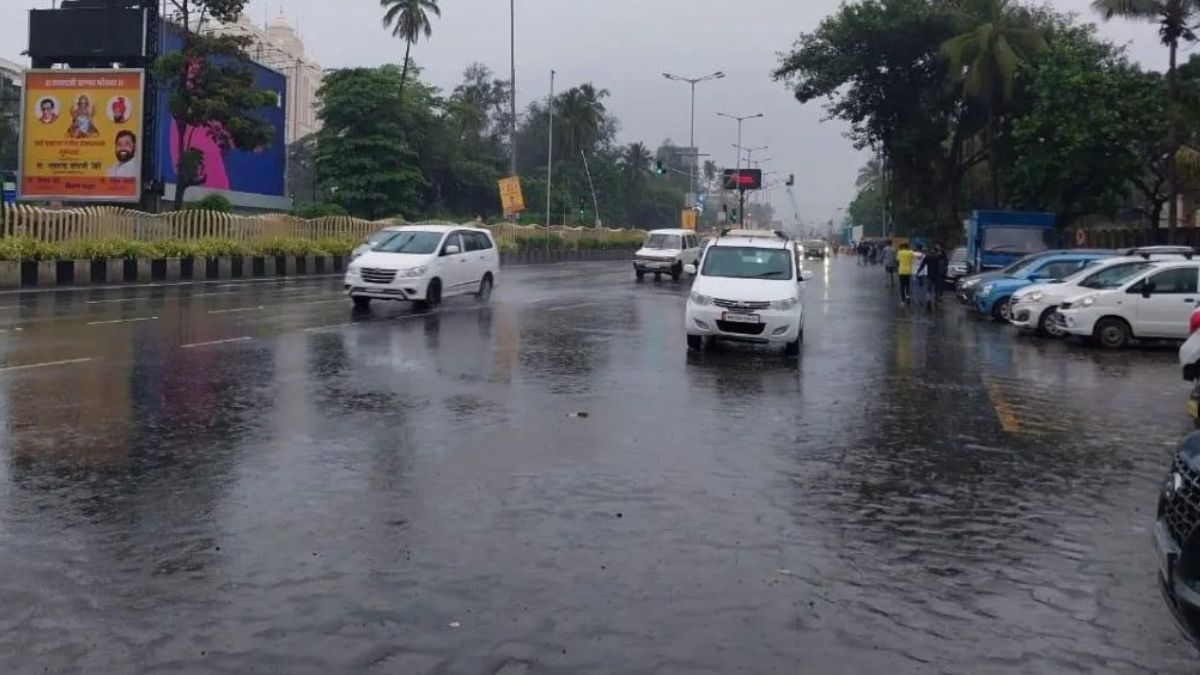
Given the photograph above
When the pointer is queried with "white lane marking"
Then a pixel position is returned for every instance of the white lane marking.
(216, 342)
(112, 302)
(116, 321)
(331, 327)
(48, 364)
(326, 302)
(235, 311)
(578, 306)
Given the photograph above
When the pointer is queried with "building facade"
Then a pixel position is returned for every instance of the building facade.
(11, 80)
(278, 46)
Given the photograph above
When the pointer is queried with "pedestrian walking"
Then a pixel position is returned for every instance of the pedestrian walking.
(935, 265)
(904, 260)
(921, 290)
(889, 264)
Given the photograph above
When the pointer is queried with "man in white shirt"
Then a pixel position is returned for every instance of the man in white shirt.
(921, 288)
(127, 165)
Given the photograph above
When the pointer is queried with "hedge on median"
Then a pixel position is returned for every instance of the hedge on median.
(29, 249)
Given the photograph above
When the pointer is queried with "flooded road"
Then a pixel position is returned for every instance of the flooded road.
(248, 478)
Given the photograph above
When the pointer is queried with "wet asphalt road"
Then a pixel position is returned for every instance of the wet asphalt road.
(248, 478)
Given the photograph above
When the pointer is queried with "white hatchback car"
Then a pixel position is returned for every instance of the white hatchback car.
(425, 264)
(1035, 308)
(749, 288)
(667, 252)
(1156, 304)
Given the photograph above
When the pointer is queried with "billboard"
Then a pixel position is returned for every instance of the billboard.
(81, 135)
(745, 179)
(247, 177)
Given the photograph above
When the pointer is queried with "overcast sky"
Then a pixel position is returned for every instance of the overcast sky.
(624, 46)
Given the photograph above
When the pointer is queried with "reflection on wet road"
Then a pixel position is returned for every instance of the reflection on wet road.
(250, 478)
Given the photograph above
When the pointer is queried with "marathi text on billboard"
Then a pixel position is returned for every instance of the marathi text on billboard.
(81, 135)
(511, 198)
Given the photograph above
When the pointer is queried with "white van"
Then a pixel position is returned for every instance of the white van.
(424, 264)
(666, 252)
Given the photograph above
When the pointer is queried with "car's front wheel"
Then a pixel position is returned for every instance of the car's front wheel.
(695, 342)
(640, 274)
(677, 271)
(433, 296)
(793, 348)
(1047, 326)
(361, 303)
(1113, 333)
(1002, 309)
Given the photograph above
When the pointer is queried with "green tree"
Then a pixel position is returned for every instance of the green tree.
(1176, 20)
(870, 174)
(364, 156)
(1075, 157)
(409, 20)
(210, 90)
(581, 120)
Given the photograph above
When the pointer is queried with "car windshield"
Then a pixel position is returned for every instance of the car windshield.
(1115, 276)
(417, 243)
(1015, 240)
(667, 242)
(748, 263)
(1019, 266)
(380, 236)
(1084, 273)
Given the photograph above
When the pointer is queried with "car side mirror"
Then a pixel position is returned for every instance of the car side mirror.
(451, 250)
(690, 269)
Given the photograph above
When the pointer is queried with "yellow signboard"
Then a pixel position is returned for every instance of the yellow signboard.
(81, 135)
(510, 195)
(687, 219)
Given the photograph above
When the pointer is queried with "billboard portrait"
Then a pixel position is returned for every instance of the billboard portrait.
(81, 135)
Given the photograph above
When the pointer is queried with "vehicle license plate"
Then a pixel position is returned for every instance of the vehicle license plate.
(735, 317)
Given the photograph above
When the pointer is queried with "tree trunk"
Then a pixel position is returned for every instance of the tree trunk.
(182, 182)
(404, 71)
(1173, 144)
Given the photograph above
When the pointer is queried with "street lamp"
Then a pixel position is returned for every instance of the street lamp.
(741, 192)
(693, 81)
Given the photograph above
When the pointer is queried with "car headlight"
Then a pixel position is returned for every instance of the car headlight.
(414, 272)
(971, 283)
(1088, 301)
(700, 299)
(1036, 296)
(987, 290)
(784, 305)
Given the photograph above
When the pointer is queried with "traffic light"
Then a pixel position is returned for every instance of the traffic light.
(791, 181)
(658, 168)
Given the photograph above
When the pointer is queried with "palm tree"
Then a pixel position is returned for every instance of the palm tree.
(409, 19)
(636, 160)
(870, 174)
(1175, 19)
(582, 118)
(983, 60)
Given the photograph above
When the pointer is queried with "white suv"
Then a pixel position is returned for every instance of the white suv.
(1155, 303)
(424, 264)
(667, 252)
(749, 288)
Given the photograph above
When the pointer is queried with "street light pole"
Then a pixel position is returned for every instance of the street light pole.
(693, 81)
(741, 191)
(512, 26)
(550, 160)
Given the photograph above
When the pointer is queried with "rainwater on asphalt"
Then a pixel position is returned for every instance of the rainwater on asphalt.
(250, 477)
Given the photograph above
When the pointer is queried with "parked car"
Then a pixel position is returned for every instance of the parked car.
(425, 264)
(993, 298)
(1036, 307)
(666, 252)
(1176, 538)
(1154, 304)
(749, 288)
(957, 267)
(969, 285)
(1189, 358)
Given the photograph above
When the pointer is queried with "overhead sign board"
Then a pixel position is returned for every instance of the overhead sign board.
(687, 219)
(81, 135)
(510, 195)
(744, 179)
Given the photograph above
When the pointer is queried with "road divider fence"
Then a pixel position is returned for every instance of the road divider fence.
(107, 245)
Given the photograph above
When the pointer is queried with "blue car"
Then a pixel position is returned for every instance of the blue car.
(992, 298)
